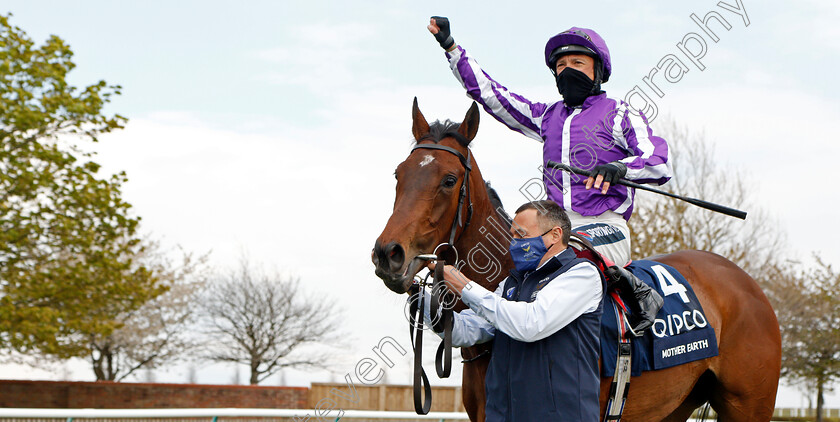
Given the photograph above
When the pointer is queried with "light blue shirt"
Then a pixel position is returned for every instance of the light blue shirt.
(568, 296)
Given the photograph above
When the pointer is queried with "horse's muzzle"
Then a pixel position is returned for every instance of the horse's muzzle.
(391, 266)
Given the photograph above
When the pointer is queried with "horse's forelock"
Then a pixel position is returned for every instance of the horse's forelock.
(440, 130)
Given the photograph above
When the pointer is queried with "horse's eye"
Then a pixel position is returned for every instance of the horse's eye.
(395, 174)
(449, 181)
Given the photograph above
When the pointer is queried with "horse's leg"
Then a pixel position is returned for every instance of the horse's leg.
(472, 385)
(659, 395)
(748, 370)
(473, 398)
(698, 397)
(747, 367)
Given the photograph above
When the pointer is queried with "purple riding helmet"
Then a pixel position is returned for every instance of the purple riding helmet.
(583, 41)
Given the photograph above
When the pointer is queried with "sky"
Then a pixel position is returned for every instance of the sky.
(273, 128)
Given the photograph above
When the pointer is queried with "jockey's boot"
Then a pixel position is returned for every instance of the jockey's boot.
(643, 301)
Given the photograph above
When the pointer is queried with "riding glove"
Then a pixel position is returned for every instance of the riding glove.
(444, 37)
(612, 172)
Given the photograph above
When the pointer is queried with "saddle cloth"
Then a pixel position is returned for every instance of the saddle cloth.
(680, 334)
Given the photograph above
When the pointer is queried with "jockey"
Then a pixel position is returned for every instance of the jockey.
(587, 130)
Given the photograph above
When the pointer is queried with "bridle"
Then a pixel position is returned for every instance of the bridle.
(443, 357)
(464, 192)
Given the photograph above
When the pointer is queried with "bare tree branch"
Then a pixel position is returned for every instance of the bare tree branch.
(805, 299)
(267, 322)
(663, 225)
(159, 332)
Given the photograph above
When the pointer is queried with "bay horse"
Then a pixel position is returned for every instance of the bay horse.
(740, 383)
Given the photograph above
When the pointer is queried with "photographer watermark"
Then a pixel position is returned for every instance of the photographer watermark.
(368, 371)
(626, 127)
(693, 47)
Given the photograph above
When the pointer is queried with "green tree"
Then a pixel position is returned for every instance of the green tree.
(808, 308)
(159, 332)
(67, 239)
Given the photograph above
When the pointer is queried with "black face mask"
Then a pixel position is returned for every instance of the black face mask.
(574, 86)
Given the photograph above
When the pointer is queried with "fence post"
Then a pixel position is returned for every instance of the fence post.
(382, 397)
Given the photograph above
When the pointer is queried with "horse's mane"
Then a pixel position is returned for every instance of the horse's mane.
(439, 130)
(497, 204)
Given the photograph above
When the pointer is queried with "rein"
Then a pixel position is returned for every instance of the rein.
(441, 322)
(441, 315)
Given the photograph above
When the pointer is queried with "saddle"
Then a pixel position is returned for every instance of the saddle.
(632, 294)
(623, 288)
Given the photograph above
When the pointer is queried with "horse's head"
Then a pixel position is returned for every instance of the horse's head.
(430, 184)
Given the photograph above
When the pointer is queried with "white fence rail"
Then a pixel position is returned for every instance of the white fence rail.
(214, 413)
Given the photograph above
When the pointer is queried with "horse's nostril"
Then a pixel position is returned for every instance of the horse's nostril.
(396, 256)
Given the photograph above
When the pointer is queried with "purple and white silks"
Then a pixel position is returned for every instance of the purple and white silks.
(600, 131)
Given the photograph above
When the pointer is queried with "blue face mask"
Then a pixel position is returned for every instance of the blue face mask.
(528, 252)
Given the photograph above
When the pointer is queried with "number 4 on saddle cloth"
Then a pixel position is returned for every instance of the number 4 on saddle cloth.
(680, 333)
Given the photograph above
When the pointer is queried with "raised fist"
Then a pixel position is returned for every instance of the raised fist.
(439, 27)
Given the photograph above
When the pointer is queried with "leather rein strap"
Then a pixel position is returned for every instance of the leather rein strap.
(420, 380)
(441, 316)
(441, 322)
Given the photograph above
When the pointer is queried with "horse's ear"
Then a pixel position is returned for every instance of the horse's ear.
(420, 127)
(469, 127)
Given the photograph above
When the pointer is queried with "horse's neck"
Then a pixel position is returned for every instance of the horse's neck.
(483, 246)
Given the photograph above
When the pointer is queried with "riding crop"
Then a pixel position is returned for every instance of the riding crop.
(699, 202)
